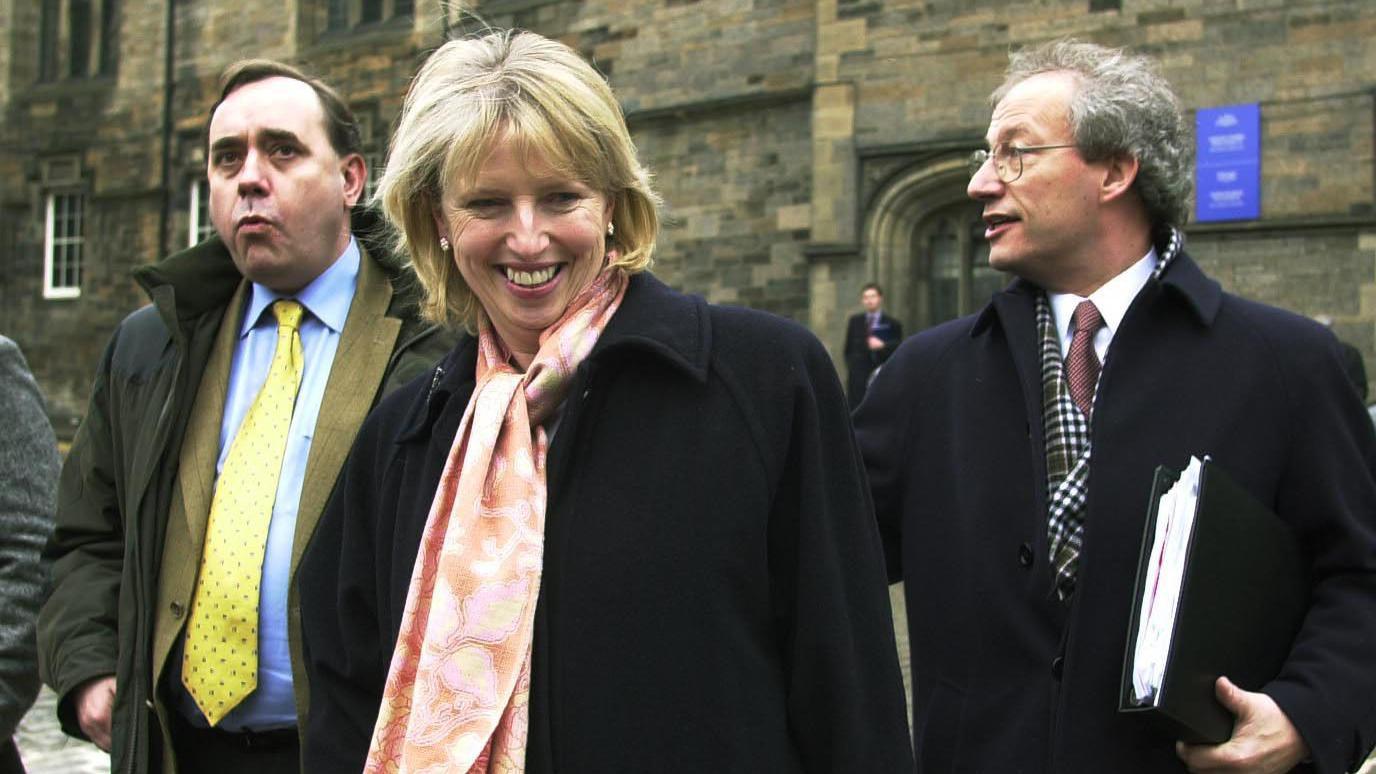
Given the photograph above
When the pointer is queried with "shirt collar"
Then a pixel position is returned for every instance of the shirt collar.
(327, 297)
(1112, 298)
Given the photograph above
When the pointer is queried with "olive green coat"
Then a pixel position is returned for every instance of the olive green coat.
(135, 490)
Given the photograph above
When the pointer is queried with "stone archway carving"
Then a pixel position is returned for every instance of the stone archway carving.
(900, 213)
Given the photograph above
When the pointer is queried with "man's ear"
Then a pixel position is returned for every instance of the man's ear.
(1119, 174)
(355, 172)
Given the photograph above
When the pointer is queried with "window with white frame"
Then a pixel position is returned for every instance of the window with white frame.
(62, 245)
(200, 226)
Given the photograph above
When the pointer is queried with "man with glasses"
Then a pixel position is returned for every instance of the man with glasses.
(1011, 453)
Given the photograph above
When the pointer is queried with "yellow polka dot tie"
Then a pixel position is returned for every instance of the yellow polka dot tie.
(220, 668)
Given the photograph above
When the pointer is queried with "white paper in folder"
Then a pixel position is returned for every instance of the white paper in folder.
(1161, 593)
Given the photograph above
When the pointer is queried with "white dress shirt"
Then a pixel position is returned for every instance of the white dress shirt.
(1112, 300)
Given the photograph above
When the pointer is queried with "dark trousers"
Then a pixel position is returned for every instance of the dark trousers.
(211, 751)
(9, 759)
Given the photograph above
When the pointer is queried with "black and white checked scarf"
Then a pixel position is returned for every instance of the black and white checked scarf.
(1067, 439)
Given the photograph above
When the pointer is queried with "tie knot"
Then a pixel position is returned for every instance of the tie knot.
(1086, 318)
(288, 314)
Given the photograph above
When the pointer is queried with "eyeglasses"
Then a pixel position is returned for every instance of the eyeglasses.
(1007, 159)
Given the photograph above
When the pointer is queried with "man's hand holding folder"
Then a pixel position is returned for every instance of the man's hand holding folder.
(1220, 593)
(1264, 740)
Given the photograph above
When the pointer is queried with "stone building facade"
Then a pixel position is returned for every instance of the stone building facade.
(803, 147)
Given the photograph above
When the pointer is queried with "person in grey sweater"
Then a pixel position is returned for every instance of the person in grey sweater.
(29, 468)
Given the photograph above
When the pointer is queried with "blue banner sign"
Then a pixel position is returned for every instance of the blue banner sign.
(1228, 163)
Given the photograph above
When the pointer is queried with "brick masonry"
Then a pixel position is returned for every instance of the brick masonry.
(777, 130)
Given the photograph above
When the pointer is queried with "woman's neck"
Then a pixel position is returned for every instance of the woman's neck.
(522, 359)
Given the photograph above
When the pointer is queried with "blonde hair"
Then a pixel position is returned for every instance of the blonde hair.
(532, 91)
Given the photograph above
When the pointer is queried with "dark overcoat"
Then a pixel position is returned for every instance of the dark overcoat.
(713, 593)
(1010, 679)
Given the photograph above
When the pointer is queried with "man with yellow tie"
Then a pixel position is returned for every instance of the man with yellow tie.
(218, 422)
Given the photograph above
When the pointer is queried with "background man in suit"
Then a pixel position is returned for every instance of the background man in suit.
(871, 337)
(1019, 547)
(220, 417)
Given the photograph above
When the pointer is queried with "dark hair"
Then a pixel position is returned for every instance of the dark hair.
(340, 124)
(872, 286)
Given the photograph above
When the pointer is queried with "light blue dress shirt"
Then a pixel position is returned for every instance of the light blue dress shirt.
(326, 301)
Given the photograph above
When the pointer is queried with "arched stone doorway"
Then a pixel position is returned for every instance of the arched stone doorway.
(923, 241)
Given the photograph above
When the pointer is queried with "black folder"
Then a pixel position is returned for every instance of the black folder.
(1244, 593)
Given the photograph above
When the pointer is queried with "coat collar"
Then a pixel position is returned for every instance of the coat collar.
(202, 278)
(1182, 279)
(658, 320)
(653, 319)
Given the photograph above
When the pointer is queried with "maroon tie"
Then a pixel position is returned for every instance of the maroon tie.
(1082, 366)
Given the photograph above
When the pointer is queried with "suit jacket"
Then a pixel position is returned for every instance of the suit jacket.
(365, 346)
(860, 359)
(1008, 678)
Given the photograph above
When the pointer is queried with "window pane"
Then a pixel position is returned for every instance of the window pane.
(79, 37)
(403, 7)
(375, 170)
(943, 256)
(64, 244)
(62, 221)
(47, 41)
(109, 37)
(337, 17)
(201, 225)
(372, 11)
(74, 244)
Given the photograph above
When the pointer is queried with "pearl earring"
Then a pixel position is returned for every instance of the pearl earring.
(444, 244)
(611, 229)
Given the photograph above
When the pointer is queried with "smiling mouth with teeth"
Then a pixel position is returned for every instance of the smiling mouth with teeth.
(530, 279)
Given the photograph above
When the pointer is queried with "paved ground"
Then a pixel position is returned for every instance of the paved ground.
(900, 629)
(46, 750)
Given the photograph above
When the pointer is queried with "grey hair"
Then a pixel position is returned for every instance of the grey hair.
(1122, 106)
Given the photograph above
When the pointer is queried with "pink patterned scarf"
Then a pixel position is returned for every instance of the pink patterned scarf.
(458, 689)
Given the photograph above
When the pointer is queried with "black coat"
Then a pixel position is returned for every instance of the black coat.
(860, 359)
(713, 596)
(1008, 678)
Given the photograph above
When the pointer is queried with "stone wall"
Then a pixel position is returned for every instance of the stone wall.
(772, 127)
(736, 187)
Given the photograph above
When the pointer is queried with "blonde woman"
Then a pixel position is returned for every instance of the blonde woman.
(617, 528)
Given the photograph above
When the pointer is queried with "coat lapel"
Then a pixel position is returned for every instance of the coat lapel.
(201, 444)
(1015, 309)
(184, 538)
(360, 362)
